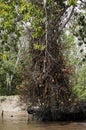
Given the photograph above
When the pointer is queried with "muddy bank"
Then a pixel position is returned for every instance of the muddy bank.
(12, 106)
(66, 113)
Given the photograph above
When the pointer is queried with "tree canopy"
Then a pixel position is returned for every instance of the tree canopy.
(33, 48)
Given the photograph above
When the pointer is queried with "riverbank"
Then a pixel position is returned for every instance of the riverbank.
(12, 106)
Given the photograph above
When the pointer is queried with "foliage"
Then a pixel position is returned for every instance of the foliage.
(10, 44)
(72, 2)
(7, 73)
(75, 59)
(45, 70)
(46, 78)
(76, 54)
(80, 87)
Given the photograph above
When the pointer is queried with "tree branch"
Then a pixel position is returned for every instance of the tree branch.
(83, 1)
(67, 19)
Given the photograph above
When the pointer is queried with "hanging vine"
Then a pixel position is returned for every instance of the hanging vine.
(48, 74)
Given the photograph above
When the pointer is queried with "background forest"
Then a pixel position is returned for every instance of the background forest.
(24, 34)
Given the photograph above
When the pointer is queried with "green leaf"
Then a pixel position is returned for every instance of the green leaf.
(42, 47)
(36, 46)
(72, 2)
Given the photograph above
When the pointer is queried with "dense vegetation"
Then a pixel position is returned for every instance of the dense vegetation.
(37, 56)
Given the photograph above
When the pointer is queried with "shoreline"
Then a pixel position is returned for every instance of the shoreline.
(12, 106)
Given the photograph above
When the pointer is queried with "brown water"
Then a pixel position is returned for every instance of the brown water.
(20, 123)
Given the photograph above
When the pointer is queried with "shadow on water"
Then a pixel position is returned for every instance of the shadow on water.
(20, 123)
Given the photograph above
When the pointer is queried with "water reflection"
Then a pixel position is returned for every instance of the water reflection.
(20, 123)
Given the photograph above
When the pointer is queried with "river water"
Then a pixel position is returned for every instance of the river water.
(15, 122)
